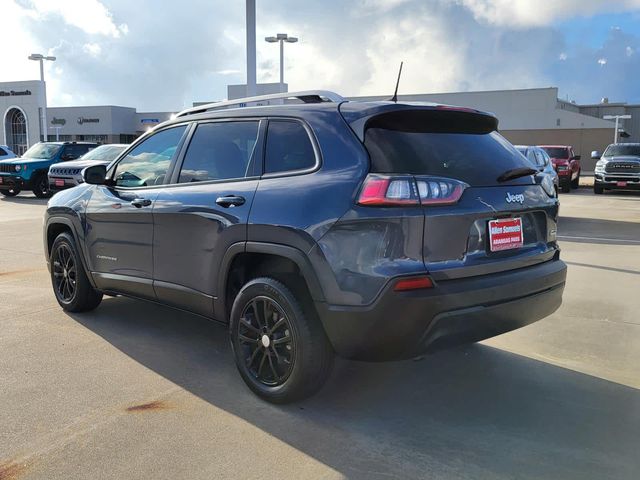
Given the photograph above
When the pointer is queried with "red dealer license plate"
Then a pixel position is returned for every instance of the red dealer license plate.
(505, 234)
(621, 184)
(59, 183)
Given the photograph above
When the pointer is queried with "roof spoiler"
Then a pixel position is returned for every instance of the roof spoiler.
(426, 118)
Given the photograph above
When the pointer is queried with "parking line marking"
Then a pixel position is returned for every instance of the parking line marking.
(601, 239)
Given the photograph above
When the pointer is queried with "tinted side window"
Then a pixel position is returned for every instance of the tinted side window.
(288, 147)
(219, 151)
(540, 160)
(2, 152)
(148, 163)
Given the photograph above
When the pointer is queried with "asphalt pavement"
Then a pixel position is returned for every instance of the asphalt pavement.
(134, 390)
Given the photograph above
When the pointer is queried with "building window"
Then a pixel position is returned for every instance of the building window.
(16, 131)
(94, 138)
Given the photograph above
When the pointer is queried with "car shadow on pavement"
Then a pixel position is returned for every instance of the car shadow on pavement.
(589, 230)
(25, 200)
(472, 412)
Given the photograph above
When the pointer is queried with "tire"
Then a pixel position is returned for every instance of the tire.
(70, 284)
(12, 192)
(576, 183)
(597, 189)
(41, 186)
(565, 187)
(288, 370)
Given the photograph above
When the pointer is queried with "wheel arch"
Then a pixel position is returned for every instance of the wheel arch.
(54, 227)
(267, 252)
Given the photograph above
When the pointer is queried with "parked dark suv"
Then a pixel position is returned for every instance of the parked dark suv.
(376, 231)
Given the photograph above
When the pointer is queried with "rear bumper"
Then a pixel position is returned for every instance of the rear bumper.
(405, 324)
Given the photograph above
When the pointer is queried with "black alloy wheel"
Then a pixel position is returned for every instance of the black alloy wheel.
(41, 187)
(279, 344)
(65, 273)
(69, 280)
(266, 340)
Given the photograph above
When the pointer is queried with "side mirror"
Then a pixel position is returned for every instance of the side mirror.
(577, 157)
(596, 155)
(95, 174)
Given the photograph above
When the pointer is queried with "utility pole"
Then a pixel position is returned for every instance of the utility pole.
(617, 118)
(251, 48)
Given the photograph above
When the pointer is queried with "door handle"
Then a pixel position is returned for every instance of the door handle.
(230, 201)
(141, 202)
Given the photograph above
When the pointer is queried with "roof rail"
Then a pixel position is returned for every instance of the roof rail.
(308, 96)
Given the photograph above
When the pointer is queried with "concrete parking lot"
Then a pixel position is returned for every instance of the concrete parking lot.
(134, 390)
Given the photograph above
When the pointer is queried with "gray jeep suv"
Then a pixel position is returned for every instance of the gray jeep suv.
(373, 230)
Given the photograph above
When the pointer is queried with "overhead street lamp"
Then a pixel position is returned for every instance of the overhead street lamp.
(281, 37)
(617, 118)
(38, 57)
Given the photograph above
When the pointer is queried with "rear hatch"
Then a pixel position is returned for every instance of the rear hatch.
(485, 209)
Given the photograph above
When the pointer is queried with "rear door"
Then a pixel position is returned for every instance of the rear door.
(489, 225)
(204, 211)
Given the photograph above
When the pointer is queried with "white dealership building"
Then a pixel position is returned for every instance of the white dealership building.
(22, 105)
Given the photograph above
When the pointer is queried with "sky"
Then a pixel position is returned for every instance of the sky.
(162, 55)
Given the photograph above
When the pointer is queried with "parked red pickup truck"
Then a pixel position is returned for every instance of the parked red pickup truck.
(566, 163)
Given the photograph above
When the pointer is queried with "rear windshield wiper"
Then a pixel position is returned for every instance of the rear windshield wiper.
(516, 173)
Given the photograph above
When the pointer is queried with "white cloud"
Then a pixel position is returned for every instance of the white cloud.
(628, 51)
(91, 16)
(92, 49)
(529, 13)
(602, 62)
(562, 57)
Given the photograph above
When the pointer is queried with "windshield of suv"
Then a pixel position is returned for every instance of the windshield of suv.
(622, 150)
(104, 153)
(557, 152)
(42, 150)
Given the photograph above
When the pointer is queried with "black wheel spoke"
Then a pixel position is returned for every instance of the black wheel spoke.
(278, 324)
(253, 356)
(276, 377)
(285, 339)
(246, 339)
(246, 323)
(264, 357)
(261, 335)
(256, 314)
(265, 312)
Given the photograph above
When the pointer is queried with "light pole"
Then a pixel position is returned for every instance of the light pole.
(281, 37)
(617, 118)
(41, 58)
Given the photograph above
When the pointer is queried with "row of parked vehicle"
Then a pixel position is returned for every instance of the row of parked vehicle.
(48, 167)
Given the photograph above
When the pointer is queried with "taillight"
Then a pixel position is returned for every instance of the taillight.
(379, 190)
(403, 190)
(440, 191)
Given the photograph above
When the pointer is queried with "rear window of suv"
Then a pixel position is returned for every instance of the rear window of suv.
(465, 153)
